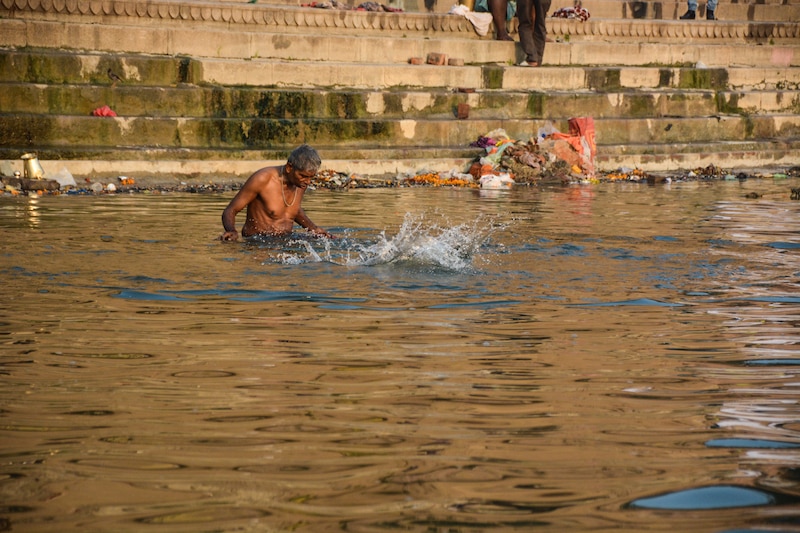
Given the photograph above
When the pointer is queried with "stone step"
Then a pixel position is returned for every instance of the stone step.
(42, 66)
(677, 52)
(231, 102)
(676, 156)
(20, 131)
(201, 166)
(154, 162)
(259, 46)
(264, 73)
(759, 102)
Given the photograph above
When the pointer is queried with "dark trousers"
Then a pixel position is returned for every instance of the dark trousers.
(532, 29)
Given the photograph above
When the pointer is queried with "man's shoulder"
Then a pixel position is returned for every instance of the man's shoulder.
(263, 176)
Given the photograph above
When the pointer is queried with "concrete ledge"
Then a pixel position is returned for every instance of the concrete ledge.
(655, 158)
(650, 157)
(241, 170)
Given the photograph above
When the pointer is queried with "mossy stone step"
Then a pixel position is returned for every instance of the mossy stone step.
(226, 102)
(44, 66)
(213, 165)
(26, 131)
(36, 65)
(247, 103)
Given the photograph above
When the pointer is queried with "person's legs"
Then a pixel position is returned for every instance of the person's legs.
(690, 14)
(525, 28)
(540, 9)
(711, 9)
(498, 9)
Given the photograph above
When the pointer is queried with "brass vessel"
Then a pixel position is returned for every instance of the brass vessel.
(32, 168)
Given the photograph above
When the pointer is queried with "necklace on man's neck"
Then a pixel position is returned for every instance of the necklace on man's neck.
(283, 194)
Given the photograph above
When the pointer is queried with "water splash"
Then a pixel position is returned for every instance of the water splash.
(418, 241)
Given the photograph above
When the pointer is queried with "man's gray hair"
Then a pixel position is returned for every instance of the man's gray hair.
(305, 159)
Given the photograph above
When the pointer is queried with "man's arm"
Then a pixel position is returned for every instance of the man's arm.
(246, 194)
(306, 222)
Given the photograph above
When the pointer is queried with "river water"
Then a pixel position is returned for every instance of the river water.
(617, 357)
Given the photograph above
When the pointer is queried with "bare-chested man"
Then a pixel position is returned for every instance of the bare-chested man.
(273, 196)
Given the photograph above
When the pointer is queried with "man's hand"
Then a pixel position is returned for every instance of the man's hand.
(321, 232)
(229, 236)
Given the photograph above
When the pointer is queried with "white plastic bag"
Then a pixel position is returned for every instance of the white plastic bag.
(495, 181)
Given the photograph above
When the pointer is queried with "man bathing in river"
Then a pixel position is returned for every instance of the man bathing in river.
(273, 196)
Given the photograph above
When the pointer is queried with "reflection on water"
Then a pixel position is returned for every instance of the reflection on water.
(607, 358)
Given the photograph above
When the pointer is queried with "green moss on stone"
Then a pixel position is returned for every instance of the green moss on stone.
(345, 105)
(186, 70)
(665, 77)
(290, 104)
(269, 132)
(703, 78)
(336, 131)
(441, 103)
(535, 104)
(601, 79)
(641, 105)
(728, 103)
(749, 126)
(795, 106)
(493, 77)
(24, 131)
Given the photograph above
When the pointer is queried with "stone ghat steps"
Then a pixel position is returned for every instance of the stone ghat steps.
(728, 154)
(217, 87)
(71, 132)
(42, 66)
(231, 102)
(264, 73)
(724, 155)
(216, 165)
(221, 165)
(324, 51)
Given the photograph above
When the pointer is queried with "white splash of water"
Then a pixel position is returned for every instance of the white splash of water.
(417, 241)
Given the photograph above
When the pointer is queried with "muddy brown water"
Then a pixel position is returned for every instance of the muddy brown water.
(618, 357)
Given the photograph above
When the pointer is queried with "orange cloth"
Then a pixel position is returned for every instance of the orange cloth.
(581, 130)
